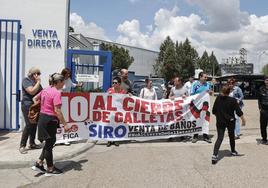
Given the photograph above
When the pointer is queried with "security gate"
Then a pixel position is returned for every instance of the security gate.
(9, 74)
(93, 68)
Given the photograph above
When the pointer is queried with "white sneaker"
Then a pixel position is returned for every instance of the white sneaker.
(67, 143)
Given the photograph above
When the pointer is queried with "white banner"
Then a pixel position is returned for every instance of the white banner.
(102, 116)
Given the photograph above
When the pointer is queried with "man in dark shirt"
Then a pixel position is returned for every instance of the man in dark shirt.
(125, 83)
(263, 107)
(224, 109)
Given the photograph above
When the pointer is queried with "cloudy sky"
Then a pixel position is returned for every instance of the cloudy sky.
(222, 26)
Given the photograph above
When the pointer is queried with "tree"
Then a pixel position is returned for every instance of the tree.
(205, 64)
(166, 60)
(120, 56)
(176, 60)
(213, 60)
(265, 70)
(189, 58)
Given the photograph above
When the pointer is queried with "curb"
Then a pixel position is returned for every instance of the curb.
(25, 164)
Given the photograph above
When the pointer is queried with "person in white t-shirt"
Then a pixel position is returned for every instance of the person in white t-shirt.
(188, 84)
(148, 92)
(178, 90)
(68, 83)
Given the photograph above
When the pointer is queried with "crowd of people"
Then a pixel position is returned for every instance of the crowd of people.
(227, 109)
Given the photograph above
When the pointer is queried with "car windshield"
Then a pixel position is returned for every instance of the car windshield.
(158, 81)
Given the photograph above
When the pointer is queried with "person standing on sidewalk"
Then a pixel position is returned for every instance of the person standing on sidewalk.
(236, 93)
(31, 85)
(198, 87)
(116, 88)
(263, 107)
(224, 109)
(50, 117)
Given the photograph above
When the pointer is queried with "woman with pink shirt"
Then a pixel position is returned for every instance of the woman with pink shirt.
(49, 119)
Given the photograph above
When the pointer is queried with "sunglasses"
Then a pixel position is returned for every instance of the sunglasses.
(115, 82)
(38, 73)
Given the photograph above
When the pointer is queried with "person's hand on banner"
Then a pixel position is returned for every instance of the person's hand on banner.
(66, 128)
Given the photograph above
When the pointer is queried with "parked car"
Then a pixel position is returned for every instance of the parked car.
(160, 81)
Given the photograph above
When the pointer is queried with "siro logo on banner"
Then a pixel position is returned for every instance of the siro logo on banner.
(44, 38)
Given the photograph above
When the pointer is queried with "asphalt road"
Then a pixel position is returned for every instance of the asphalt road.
(159, 164)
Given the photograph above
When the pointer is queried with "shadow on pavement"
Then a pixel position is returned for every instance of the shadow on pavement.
(66, 166)
(227, 153)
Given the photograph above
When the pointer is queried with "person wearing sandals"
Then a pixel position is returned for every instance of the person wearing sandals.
(225, 108)
(116, 88)
(50, 117)
(31, 85)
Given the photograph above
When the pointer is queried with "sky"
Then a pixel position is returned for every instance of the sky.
(221, 26)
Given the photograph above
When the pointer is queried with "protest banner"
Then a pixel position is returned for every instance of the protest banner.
(111, 117)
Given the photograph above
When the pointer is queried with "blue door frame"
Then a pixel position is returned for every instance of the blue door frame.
(10, 72)
(107, 66)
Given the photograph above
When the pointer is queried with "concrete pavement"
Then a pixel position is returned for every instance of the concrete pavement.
(11, 158)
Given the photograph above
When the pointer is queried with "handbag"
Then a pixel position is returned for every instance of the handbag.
(34, 112)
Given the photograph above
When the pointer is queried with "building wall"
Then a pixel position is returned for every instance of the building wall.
(143, 59)
(43, 21)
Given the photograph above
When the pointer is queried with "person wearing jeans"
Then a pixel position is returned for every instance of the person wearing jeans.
(31, 85)
(224, 109)
(236, 93)
(50, 117)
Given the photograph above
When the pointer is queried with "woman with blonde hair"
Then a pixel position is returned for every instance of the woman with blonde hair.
(31, 85)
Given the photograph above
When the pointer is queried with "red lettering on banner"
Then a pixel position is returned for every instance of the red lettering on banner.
(178, 104)
(170, 117)
(135, 118)
(99, 103)
(178, 115)
(167, 107)
(144, 107)
(143, 118)
(126, 100)
(128, 118)
(96, 116)
(161, 118)
(75, 107)
(118, 117)
(137, 105)
(155, 108)
(110, 104)
(153, 119)
(105, 117)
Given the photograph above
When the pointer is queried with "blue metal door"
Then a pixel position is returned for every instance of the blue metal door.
(9, 74)
(87, 62)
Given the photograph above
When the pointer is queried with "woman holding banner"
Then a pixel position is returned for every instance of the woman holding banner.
(148, 92)
(116, 88)
(50, 117)
(225, 108)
